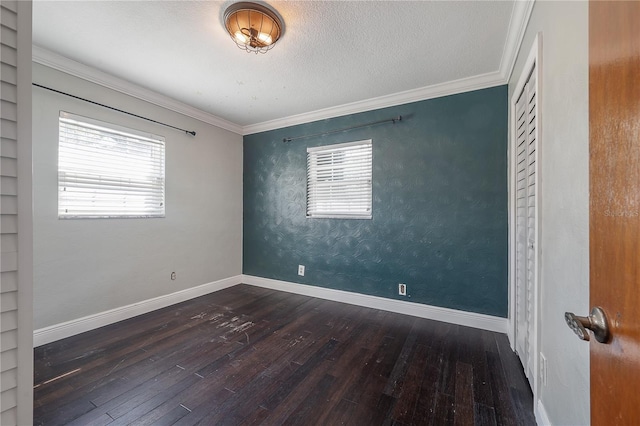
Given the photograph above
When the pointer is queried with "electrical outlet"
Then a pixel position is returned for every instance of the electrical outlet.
(543, 369)
(402, 289)
(301, 270)
(173, 275)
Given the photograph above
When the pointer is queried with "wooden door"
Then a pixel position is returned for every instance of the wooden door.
(614, 121)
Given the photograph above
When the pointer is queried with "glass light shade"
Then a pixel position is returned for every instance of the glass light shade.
(252, 27)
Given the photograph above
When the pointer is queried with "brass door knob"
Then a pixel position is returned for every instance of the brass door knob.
(596, 322)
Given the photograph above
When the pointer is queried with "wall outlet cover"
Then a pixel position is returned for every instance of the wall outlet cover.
(543, 369)
(301, 270)
(402, 289)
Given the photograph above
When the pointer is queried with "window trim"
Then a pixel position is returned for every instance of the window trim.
(330, 148)
(90, 123)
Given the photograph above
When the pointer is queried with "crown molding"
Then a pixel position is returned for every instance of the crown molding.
(482, 81)
(52, 60)
(519, 19)
(517, 27)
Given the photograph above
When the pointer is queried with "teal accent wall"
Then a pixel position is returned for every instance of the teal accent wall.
(439, 206)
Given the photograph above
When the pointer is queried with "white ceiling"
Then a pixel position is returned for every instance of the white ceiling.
(334, 57)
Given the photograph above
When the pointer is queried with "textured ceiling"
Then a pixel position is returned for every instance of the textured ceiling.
(332, 52)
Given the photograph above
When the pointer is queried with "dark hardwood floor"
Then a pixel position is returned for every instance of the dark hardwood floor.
(247, 355)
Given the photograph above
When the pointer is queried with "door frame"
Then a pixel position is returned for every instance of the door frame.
(534, 59)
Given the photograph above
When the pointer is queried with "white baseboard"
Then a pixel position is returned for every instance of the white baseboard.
(542, 418)
(91, 322)
(71, 328)
(453, 316)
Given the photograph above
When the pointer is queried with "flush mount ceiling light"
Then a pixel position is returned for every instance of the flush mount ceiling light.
(253, 27)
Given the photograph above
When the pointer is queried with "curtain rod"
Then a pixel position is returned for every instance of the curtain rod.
(393, 120)
(190, 132)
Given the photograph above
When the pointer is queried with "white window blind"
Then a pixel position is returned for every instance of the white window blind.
(339, 181)
(108, 171)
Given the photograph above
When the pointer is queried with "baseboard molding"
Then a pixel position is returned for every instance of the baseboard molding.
(453, 316)
(542, 418)
(91, 322)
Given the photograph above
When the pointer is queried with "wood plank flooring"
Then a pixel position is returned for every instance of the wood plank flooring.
(247, 355)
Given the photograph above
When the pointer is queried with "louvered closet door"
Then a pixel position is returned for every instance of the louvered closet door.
(526, 240)
(16, 331)
(8, 209)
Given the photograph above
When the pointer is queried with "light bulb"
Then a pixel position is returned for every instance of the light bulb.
(241, 38)
(265, 38)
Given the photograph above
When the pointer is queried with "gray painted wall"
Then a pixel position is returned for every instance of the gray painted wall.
(439, 206)
(83, 267)
(564, 147)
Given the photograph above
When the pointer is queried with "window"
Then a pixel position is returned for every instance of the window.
(339, 181)
(107, 171)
